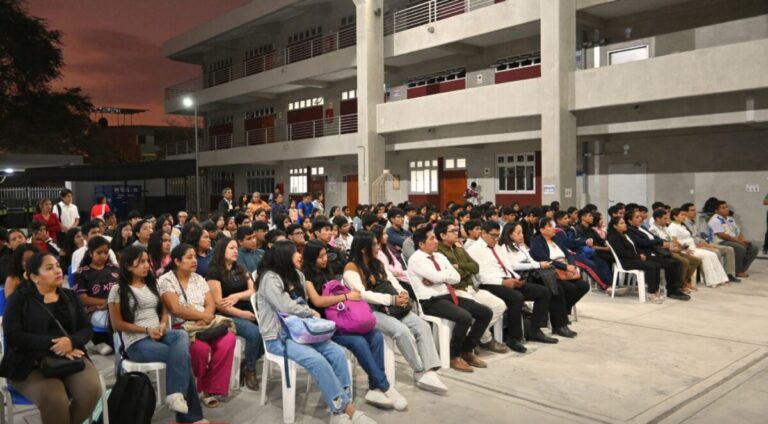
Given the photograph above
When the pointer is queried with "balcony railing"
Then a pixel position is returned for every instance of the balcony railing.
(184, 88)
(342, 124)
(431, 11)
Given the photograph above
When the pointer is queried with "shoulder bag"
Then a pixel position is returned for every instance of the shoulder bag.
(59, 366)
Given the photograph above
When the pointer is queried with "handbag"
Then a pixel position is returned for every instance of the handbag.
(351, 317)
(59, 366)
(216, 329)
(565, 275)
(394, 311)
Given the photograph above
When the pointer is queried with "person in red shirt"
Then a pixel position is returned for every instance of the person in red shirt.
(99, 208)
(39, 237)
(49, 218)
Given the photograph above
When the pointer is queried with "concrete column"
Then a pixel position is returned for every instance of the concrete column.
(558, 124)
(370, 92)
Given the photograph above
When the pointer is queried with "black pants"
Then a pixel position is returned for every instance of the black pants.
(651, 269)
(514, 301)
(462, 316)
(673, 269)
(570, 292)
(538, 294)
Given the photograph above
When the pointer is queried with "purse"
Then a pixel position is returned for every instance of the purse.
(216, 329)
(394, 311)
(59, 366)
(565, 275)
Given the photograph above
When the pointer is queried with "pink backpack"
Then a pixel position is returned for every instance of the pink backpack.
(350, 316)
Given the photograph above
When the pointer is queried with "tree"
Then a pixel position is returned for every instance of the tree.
(33, 116)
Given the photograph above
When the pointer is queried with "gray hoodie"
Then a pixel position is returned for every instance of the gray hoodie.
(272, 296)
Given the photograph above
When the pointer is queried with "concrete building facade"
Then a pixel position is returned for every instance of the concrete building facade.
(595, 101)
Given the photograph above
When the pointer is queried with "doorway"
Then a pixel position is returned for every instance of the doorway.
(352, 187)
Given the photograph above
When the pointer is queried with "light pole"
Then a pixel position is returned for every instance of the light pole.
(188, 102)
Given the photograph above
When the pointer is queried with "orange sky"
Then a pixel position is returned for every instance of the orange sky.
(112, 48)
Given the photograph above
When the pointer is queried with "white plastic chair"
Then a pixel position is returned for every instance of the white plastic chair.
(441, 332)
(498, 330)
(156, 368)
(234, 378)
(389, 359)
(618, 269)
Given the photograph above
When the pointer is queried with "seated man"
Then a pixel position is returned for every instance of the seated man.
(725, 231)
(344, 240)
(447, 234)
(249, 249)
(725, 253)
(337, 259)
(396, 233)
(681, 253)
(409, 247)
(40, 238)
(433, 277)
(473, 228)
(497, 277)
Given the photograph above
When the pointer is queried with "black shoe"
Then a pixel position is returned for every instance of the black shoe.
(733, 279)
(540, 337)
(517, 346)
(678, 296)
(564, 331)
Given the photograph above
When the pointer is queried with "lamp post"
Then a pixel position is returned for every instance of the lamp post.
(188, 102)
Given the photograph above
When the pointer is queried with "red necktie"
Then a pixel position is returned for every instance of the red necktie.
(451, 290)
(501, 264)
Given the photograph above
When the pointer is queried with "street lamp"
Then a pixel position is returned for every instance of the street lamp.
(189, 102)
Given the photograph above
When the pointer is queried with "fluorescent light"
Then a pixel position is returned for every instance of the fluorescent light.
(187, 101)
(9, 170)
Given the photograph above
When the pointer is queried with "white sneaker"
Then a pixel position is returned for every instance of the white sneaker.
(360, 418)
(398, 401)
(341, 418)
(103, 349)
(378, 398)
(432, 383)
(176, 403)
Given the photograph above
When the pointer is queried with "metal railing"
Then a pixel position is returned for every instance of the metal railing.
(431, 11)
(341, 124)
(184, 88)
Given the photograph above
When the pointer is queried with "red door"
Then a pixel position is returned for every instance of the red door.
(352, 194)
(452, 186)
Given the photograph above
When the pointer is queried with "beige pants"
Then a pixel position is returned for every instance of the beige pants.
(485, 298)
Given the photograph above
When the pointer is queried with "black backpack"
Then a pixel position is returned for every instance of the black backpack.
(132, 400)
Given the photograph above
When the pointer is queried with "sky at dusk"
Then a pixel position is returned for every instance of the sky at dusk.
(113, 48)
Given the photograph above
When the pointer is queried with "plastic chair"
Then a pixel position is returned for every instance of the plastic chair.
(441, 332)
(234, 379)
(156, 368)
(618, 269)
(498, 330)
(389, 359)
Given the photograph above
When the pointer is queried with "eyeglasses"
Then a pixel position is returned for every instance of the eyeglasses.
(297, 233)
(455, 230)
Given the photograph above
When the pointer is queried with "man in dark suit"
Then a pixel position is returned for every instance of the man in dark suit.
(225, 205)
(656, 250)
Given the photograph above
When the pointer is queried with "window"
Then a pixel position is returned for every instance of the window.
(318, 170)
(455, 163)
(262, 180)
(297, 181)
(303, 104)
(221, 179)
(631, 54)
(348, 95)
(516, 173)
(424, 176)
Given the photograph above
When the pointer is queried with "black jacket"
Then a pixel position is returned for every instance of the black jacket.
(540, 252)
(643, 244)
(337, 260)
(26, 324)
(623, 248)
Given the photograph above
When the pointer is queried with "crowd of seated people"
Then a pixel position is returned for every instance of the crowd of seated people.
(151, 289)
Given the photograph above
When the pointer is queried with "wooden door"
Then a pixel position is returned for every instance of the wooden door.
(352, 194)
(452, 186)
(317, 183)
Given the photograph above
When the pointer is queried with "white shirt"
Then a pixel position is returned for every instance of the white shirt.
(353, 280)
(68, 214)
(718, 224)
(344, 243)
(421, 268)
(469, 242)
(681, 234)
(491, 271)
(521, 259)
(79, 254)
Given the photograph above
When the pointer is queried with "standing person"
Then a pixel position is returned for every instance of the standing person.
(725, 231)
(317, 204)
(49, 218)
(100, 207)
(42, 319)
(231, 288)
(137, 314)
(67, 211)
(225, 204)
(305, 207)
(93, 281)
(281, 289)
(471, 195)
(188, 298)
(433, 277)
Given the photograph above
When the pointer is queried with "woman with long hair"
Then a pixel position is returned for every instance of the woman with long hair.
(142, 231)
(18, 267)
(187, 297)
(93, 281)
(195, 236)
(306, 225)
(367, 274)
(164, 224)
(73, 240)
(281, 289)
(629, 257)
(230, 228)
(159, 252)
(43, 319)
(137, 314)
(232, 287)
(122, 238)
(49, 218)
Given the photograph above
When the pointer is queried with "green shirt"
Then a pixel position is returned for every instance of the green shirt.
(467, 266)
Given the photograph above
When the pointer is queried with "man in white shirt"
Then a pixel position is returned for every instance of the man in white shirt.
(502, 281)
(725, 231)
(473, 227)
(432, 277)
(726, 253)
(67, 211)
(344, 240)
(90, 229)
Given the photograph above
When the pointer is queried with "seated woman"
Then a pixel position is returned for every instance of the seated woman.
(142, 231)
(121, 240)
(412, 334)
(390, 261)
(159, 253)
(368, 348)
(713, 272)
(18, 267)
(93, 281)
(43, 319)
(187, 297)
(626, 251)
(231, 288)
(195, 236)
(281, 288)
(137, 314)
(539, 267)
(73, 240)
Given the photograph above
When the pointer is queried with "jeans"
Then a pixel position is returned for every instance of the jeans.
(414, 339)
(249, 330)
(369, 350)
(325, 362)
(173, 350)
